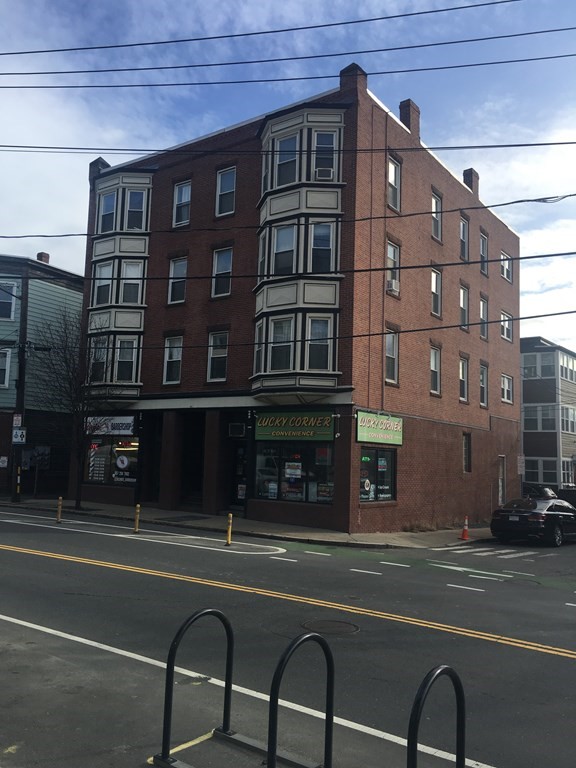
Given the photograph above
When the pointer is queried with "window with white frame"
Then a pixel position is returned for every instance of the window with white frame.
(182, 197)
(483, 385)
(125, 360)
(221, 272)
(436, 291)
(319, 343)
(567, 472)
(4, 367)
(98, 359)
(217, 355)
(483, 253)
(324, 155)
(435, 359)
(506, 326)
(172, 359)
(483, 318)
(549, 471)
(131, 282)
(322, 247)
(506, 266)
(391, 357)
(394, 179)
(548, 366)
(259, 348)
(436, 216)
(7, 300)
(135, 209)
(177, 280)
(225, 191)
(539, 418)
(107, 212)
(568, 415)
(507, 388)
(463, 378)
(531, 474)
(281, 343)
(392, 267)
(464, 243)
(103, 283)
(284, 250)
(286, 160)
(464, 307)
(530, 417)
(548, 417)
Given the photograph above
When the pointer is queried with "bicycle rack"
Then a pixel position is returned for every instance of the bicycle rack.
(416, 714)
(163, 759)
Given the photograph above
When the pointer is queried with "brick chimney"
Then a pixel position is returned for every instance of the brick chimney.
(472, 180)
(410, 116)
(43, 257)
(353, 77)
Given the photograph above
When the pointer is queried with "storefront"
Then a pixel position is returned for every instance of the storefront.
(379, 436)
(111, 457)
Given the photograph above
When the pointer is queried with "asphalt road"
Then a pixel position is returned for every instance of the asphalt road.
(88, 612)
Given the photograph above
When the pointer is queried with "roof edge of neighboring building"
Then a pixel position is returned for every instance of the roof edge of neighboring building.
(41, 266)
(539, 343)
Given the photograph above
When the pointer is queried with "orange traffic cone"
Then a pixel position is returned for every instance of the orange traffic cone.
(464, 534)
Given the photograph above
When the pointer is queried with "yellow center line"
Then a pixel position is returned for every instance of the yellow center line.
(356, 610)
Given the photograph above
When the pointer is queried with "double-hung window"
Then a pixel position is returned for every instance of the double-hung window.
(483, 318)
(4, 367)
(324, 155)
(125, 360)
(318, 343)
(322, 247)
(7, 300)
(98, 359)
(182, 196)
(392, 267)
(284, 248)
(464, 307)
(286, 160)
(483, 253)
(436, 216)
(135, 209)
(436, 291)
(463, 378)
(483, 385)
(507, 388)
(435, 359)
(177, 280)
(172, 359)
(103, 283)
(226, 191)
(281, 344)
(131, 282)
(394, 178)
(259, 348)
(221, 272)
(391, 372)
(506, 326)
(107, 212)
(464, 240)
(217, 355)
(506, 266)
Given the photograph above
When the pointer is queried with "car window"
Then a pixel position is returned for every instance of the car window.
(520, 504)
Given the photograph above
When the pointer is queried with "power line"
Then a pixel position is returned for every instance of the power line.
(237, 35)
(277, 60)
(301, 78)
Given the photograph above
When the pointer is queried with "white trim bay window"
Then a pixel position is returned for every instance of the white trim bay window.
(284, 249)
(102, 284)
(217, 355)
(225, 191)
(131, 282)
(324, 155)
(221, 272)
(319, 343)
(322, 247)
(177, 280)
(98, 359)
(286, 160)
(259, 348)
(182, 197)
(4, 367)
(107, 211)
(125, 360)
(172, 359)
(281, 344)
(135, 209)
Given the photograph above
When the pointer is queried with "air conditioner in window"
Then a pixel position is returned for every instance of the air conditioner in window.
(393, 286)
(324, 174)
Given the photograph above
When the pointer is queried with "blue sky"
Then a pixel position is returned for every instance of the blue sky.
(493, 104)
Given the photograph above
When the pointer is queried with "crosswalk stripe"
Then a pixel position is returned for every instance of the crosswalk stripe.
(493, 552)
(518, 554)
(452, 548)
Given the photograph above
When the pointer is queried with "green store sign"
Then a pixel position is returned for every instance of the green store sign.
(308, 425)
(378, 428)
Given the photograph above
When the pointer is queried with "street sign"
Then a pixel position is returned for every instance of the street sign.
(19, 436)
(17, 420)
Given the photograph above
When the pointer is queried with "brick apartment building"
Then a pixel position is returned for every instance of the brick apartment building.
(305, 317)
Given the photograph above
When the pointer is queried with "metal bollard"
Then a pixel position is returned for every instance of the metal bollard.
(59, 510)
(229, 530)
(137, 519)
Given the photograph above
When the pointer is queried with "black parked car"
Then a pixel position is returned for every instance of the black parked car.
(551, 520)
(538, 491)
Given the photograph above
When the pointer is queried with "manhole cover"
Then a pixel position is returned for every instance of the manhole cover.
(326, 627)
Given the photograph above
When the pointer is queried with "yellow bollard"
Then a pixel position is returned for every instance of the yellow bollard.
(229, 530)
(137, 519)
(59, 510)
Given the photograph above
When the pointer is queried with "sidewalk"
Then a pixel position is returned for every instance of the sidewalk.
(283, 532)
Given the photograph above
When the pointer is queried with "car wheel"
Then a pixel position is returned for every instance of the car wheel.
(555, 536)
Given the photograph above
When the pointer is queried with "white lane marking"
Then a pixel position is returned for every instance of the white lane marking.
(459, 586)
(350, 724)
(160, 538)
(358, 570)
(518, 554)
(398, 565)
(452, 548)
(463, 569)
(444, 562)
(486, 552)
(572, 605)
(519, 573)
(320, 554)
(488, 578)
(285, 559)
